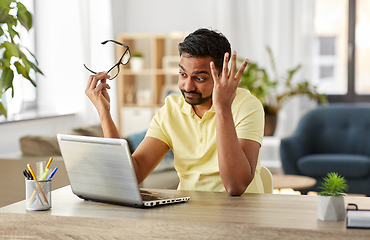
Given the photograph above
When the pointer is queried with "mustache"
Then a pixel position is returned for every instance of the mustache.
(191, 92)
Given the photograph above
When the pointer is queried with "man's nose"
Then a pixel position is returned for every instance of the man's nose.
(189, 85)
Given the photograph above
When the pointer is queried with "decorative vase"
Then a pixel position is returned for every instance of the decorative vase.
(331, 208)
(136, 64)
(270, 124)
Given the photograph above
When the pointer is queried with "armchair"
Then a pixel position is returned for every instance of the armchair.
(331, 139)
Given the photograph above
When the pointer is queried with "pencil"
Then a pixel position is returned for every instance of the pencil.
(37, 184)
(48, 165)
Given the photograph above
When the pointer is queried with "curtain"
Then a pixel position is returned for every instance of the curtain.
(68, 34)
(286, 26)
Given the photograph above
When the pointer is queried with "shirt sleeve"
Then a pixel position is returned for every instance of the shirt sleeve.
(250, 120)
(155, 129)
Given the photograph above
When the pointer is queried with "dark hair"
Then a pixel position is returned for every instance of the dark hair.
(205, 42)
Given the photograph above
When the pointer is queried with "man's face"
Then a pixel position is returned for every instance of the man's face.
(195, 79)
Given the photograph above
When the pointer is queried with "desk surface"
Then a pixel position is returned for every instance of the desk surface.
(206, 215)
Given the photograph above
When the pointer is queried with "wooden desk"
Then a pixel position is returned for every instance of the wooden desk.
(206, 216)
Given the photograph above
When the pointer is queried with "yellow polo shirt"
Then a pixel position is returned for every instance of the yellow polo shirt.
(193, 139)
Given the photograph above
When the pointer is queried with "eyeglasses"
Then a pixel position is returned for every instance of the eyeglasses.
(125, 58)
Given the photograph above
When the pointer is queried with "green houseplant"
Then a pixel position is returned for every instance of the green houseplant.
(274, 92)
(331, 200)
(137, 62)
(14, 58)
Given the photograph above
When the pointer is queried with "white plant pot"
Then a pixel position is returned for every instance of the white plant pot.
(136, 64)
(331, 208)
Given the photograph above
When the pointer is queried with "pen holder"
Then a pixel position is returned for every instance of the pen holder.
(38, 195)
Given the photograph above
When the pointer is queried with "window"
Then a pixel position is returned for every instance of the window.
(342, 32)
(24, 98)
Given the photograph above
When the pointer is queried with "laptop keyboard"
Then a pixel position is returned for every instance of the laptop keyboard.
(148, 197)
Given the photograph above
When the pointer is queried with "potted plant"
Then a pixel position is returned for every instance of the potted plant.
(274, 92)
(13, 56)
(331, 200)
(137, 62)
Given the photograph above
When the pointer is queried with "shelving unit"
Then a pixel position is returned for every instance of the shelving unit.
(141, 93)
(270, 153)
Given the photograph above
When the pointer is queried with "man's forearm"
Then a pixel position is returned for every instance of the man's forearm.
(108, 126)
(235, 168)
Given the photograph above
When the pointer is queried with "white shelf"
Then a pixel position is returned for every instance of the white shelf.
(270, 152)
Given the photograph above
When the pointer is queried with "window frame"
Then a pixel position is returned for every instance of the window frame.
(350, 96)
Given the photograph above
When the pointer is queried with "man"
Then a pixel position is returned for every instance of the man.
(214, 129)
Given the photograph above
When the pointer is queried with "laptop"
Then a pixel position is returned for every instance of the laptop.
(101, 169)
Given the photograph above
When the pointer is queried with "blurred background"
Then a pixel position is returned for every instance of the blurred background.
(330, 39)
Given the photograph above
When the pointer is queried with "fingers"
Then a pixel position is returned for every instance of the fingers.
(225, 69)
(233, 65)
(241, 69)
(94, 79)
(214, 71)
(102, 87)
(94, 89)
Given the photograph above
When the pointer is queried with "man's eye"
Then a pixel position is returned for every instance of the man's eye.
(200, 79)
(182, 74)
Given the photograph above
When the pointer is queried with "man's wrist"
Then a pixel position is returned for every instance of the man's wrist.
(223, 112)
(104, 115)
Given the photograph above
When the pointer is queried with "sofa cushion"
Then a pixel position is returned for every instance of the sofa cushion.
(168, 161)
(39, 146)
(350, 166)
(92, 131)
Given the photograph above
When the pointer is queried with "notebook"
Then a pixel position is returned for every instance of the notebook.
(101, 169)
(357, 218)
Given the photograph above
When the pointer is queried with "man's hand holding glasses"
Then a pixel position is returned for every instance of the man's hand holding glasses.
(124, 59)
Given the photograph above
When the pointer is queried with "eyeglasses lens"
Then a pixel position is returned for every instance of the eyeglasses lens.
(126, 57)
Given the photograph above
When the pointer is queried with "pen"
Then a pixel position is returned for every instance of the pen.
(52, 173)
(49, 178)
(25, 173)
(37, 184)
(28, 176)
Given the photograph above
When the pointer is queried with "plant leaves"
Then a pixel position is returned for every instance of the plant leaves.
(23, 71)
(3, 110)
(4, 16)
(6, 79)
(12, 32)
(11, 49)
(4, 62)
(34, 66)
(24, 16)
(333, 185)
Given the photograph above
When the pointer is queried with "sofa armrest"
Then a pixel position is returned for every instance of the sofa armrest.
(291, 149)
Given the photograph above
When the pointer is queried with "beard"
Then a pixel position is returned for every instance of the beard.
(196, 99)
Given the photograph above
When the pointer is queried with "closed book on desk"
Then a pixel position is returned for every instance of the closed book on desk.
(358, 218)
